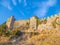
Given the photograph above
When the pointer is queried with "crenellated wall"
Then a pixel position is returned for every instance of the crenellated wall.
(32, 23)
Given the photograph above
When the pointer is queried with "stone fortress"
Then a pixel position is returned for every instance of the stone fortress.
(12, 23)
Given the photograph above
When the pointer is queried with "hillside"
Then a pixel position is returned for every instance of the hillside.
(31, 32)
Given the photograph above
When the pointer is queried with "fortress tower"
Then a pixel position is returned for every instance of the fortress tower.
(33, 22)
(10, 22)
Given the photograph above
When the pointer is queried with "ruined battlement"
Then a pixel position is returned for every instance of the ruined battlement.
(21, 24)
(12, 23)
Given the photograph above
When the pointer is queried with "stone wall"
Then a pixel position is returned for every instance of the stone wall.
(20, 24)
(33, 23)
(53, 22)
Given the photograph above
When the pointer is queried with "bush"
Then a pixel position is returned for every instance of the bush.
(3, 28)
(7, 33)
(16, 32)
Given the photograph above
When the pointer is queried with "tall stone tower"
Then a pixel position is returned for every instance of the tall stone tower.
(33, 22)
(10, 22)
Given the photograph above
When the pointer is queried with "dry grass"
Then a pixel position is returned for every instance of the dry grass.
(46, 37)
(4, 39)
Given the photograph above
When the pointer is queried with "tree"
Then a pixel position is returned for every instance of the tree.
(7, 33)
(3, 28)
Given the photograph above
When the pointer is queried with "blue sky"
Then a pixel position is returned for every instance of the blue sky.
(24, 9)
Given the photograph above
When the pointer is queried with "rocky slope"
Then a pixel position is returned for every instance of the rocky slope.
(47, 34)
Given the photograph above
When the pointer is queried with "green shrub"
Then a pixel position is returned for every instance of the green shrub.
(16, 32)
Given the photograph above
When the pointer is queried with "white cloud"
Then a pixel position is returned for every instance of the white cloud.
(25, 3)
(6, 4)
(19, 1)
(14, 2)
(51, 2)
(43, 8)
(41, 12)
(9, 7)
(21, 12)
